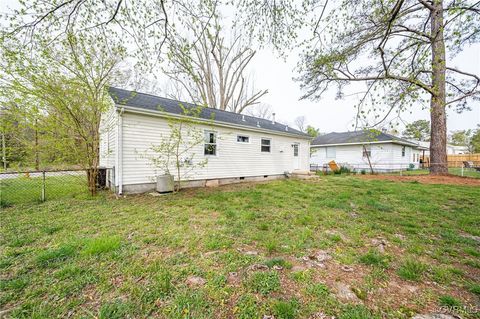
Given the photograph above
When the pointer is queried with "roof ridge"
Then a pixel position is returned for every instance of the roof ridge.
(232, 116)
(193, 104)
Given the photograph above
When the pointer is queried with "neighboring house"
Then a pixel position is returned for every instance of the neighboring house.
(451, 149)
(354, 149)
(237, 147)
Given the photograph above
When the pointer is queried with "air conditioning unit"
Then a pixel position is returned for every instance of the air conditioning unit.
(165, 183)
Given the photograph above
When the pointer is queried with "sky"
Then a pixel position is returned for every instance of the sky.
(276, 74)
(331, 115)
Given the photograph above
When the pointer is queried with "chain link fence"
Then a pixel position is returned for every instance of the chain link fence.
(462, 169)
(40, 186)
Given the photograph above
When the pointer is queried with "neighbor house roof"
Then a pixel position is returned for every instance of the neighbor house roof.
(360, 137)
(154, 103)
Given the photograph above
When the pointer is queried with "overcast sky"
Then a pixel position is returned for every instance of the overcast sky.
(328, 114)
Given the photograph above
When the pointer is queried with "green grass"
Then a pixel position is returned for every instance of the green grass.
(412, 269)
(263, 282)
(449, 301)
(131, 257)
(374, 258)
(452, 170)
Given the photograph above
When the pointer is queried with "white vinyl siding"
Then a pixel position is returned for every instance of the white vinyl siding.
(141, 132)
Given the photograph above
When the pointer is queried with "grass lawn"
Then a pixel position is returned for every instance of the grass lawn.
(290, 249)
(24, 189)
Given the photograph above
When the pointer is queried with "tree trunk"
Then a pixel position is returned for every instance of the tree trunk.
(438, 135)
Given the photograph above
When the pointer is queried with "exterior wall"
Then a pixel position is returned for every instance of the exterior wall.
(384, 156)
(142, 132)
(108, 143)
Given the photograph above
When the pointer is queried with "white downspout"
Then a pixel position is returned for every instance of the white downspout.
(119, 158)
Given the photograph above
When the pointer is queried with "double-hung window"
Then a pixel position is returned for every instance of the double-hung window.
(330, 152)
(266, 145)
(210, 146)
(403, 151)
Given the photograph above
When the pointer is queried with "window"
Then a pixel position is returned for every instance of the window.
(210, 147)
(331, 152)
(367, 151)
(403, 151)
(266, 145)
(243, 139)
(295, 150)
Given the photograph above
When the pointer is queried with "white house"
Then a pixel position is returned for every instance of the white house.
(451, 149)
(355, 149)
(235, 148)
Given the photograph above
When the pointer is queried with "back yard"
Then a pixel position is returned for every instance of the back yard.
(339, 246)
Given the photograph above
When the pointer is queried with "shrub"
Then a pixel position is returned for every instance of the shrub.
(363, 172)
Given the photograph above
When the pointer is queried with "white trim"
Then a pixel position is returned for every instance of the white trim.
(216, 143)
(211, 122)
(261, 145)
(119, 157)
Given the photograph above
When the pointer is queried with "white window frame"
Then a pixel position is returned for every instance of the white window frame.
(242, 135)
(333, 150)
(205, 143)
(262, 145)
(297, 147)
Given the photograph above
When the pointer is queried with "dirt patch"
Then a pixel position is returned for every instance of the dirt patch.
(428, 179)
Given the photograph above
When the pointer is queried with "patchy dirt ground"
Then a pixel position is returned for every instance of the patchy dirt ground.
(428, 179)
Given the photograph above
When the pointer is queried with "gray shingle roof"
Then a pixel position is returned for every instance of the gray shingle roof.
(358, 137)
(157, 103)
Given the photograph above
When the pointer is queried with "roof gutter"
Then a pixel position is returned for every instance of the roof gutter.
(373, 142)
(211, 122)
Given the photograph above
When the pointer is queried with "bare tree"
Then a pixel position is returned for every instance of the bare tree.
(213, 70)
(261, 110)
(301, 123)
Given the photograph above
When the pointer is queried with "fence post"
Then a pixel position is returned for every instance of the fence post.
(43, 186)
(462, 170)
